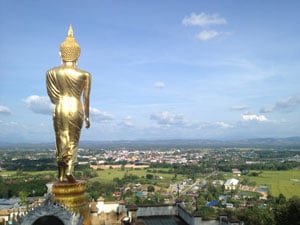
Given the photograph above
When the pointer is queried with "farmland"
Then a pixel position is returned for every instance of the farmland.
(286, 182)
(161, 176)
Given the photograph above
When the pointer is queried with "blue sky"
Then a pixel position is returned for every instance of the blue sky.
(161, 69)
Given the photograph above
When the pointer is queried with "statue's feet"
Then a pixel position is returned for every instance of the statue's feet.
(70, 178)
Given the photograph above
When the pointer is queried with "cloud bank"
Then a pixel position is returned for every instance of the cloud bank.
(207, 35)
(286, 105)
(39, 104)
(126, 122)
(99, 116)
(203, 19)
(254, 117)
(5, 110)
(167, 118)
(159, 85)
(239, 107)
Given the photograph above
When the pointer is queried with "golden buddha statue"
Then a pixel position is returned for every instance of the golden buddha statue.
(66, 85)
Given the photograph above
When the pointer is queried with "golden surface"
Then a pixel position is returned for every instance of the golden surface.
(73, 197)
(65, 188)
(69, 49)
(66, 85)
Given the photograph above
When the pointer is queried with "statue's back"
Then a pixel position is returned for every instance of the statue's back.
(66, 81)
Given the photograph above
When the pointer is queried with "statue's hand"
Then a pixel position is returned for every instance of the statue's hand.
(87, 122)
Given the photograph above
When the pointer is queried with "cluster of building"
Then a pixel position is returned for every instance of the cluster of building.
(121, 213)
(115, 213)
(140, 157)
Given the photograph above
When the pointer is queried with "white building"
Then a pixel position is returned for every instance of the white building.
(231, 184)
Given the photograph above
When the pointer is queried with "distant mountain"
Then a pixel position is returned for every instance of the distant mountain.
(270, 142)
(290, 142)
(28, 146)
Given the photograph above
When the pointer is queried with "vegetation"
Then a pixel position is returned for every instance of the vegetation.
(288, 212)
(256, 216)
(27, 176)
(24, 185)
(21, 183)
(286, 182)
(109, 181)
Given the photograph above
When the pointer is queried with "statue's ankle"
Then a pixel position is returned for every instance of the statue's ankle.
(71, 178)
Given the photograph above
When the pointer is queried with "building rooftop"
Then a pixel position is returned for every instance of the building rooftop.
(162, 220)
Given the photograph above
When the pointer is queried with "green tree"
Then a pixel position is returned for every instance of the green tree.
(118, 181)
(150, 188)
(149, 176)
(256, 216)
(245, 181)
(23, 197)
(207, 212)
(201, 200)
(289, 212)
(19, 172)
(94, 189)
(3, 188)
(281, 199)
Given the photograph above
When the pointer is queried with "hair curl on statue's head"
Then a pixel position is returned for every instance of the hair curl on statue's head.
(69, 48)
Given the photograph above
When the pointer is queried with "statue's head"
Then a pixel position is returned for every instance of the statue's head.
(69, 49)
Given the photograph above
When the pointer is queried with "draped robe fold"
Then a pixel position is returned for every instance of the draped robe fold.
(65, 86)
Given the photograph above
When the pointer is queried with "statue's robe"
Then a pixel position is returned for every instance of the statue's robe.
(65, 86)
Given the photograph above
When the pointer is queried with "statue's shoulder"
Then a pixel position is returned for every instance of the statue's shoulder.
(53, 70)
(86, 73)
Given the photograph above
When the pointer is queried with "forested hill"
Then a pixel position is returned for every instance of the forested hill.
(288, 143)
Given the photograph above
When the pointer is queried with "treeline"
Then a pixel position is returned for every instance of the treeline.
(225, 166)
(190, 170)
(35, 185)
(278, 154)
(31, 186)
(278, 212)
(30, 165)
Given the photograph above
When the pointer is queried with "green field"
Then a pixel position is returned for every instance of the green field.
(30, 173)
(285, 182)
(107, 176)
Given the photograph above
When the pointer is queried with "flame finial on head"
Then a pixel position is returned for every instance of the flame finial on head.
(70, 31)
(69, 48)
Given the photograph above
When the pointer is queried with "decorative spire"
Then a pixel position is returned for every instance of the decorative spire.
(69, 48)
(70, 31)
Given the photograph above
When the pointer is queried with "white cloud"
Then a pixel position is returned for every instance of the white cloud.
(39, 104)
(211, 125)
(286, 105)
(223, 124)
(168, 118)
(267, 109)
(100, 116)
(203, 19)
(4, 110)
(239, 107)
(159, 84)
(254, 117)
(127, 122)
(207, 35)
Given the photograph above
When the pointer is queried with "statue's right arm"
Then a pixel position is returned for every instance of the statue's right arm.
(86, 98)
(52, 90)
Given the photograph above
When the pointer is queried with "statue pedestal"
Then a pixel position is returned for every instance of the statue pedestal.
(73, 197)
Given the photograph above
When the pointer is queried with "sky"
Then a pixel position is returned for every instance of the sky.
(194, 69)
